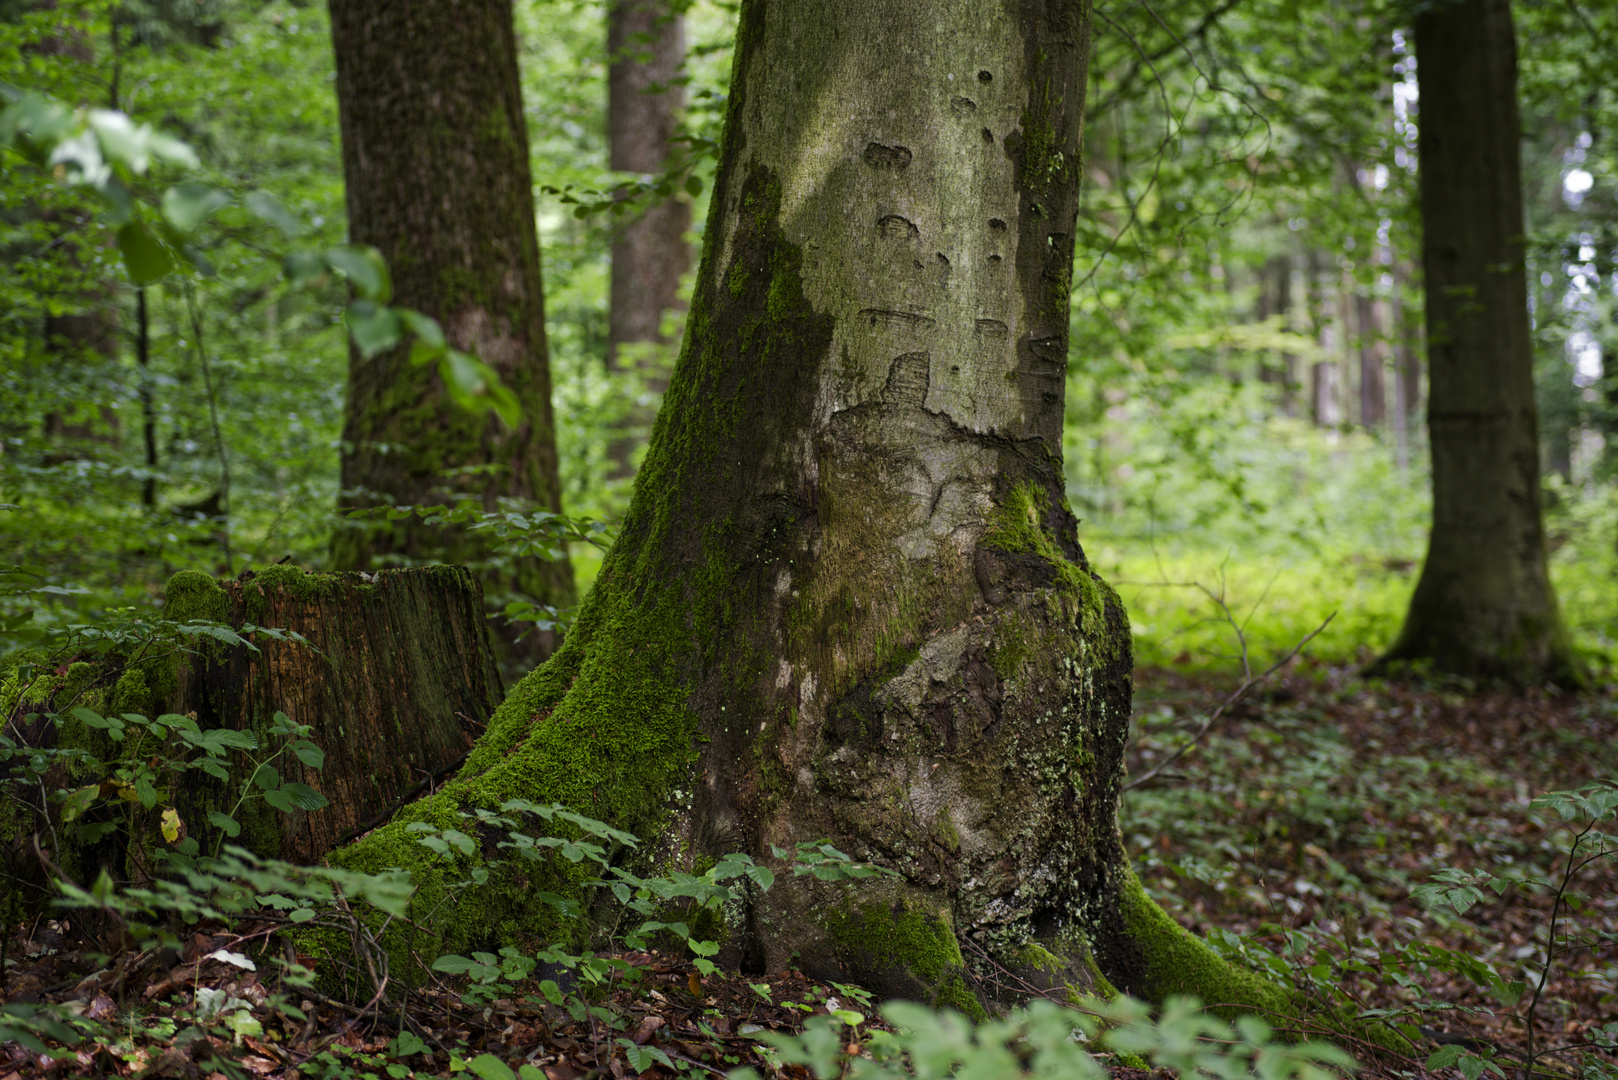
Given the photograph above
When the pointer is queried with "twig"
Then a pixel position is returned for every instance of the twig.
(1240, 692)
(410, 793)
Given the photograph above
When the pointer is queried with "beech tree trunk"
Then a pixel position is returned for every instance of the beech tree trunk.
(848, 600)
(397, 680)
(645, 47)
(1484, 605)
(435, 158)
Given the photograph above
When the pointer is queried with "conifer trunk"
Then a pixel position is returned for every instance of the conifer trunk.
(1484, 605)
(435, 158)
(848, 601)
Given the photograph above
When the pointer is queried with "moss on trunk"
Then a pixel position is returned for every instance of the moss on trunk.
(848, 600)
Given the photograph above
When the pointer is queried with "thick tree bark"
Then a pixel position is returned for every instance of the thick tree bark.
(396, 681)
(435, 156)
(848, 600)
(1484, 605)
(645, 47)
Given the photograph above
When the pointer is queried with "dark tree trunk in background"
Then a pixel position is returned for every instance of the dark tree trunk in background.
(1407, 366)
(435, 157)
(1484, 605)
(645, 48)
(1373, 384)
(398, 682)
(848, 600)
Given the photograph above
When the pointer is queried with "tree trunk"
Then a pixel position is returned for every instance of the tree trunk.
(848, 600)
(1373, 388)
(1484, 605)
(435, 157)
(645, 48)
(396, 680)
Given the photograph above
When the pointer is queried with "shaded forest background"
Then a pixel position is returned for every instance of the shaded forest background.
(1246, 393)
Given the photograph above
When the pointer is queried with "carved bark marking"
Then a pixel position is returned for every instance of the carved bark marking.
(909, 376)
(988, 136)
(992, 329)
(997, 225)
(963, 105)
(887, 157)
(898, 319)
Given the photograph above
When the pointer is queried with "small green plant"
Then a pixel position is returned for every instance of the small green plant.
(1584, 816)
(1046, 1039)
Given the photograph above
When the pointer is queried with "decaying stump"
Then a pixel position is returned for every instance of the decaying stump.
(397, 680)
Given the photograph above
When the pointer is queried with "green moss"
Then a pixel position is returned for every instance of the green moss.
(919, 944)
(1018, 525)
(1178, 962)
(191, 595)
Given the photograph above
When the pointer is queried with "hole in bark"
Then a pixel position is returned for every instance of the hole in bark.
(892, 226)
(984, 76)
(988, 136)
(963, 104)
(887, 157)
(940, 257)
(997, 225)
(994, 258)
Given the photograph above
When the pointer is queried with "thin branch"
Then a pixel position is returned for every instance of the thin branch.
(1224, 706)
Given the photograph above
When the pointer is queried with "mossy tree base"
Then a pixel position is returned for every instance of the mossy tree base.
(848, 601)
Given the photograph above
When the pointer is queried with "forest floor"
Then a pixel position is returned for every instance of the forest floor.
(1301, 821)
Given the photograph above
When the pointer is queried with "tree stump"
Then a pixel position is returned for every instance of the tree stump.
(397, 680)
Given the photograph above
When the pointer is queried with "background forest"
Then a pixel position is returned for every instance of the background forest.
(1246, 397)
(1244, 443)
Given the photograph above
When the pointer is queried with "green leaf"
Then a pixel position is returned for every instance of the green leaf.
(267, 208)
(304, 796)
(451, 964)
(424, 327)
(224, 822)
(693, 185)
(189, 205)
(489, 1067)
(79, 801)
(375, 328)
(310, 754)
(267, 777)
(364, 266)
(1445, 1057)
(144, 255)
(281, 801)
(405, 1044)
(304, 268)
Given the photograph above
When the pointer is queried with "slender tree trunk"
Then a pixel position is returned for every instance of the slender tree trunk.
(1484, 605)
(1373, 384)
(435, 156)
(645, 48)
(1407, 366)
(848, 600)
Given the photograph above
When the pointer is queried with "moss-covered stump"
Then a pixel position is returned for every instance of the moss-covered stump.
(396, 681)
